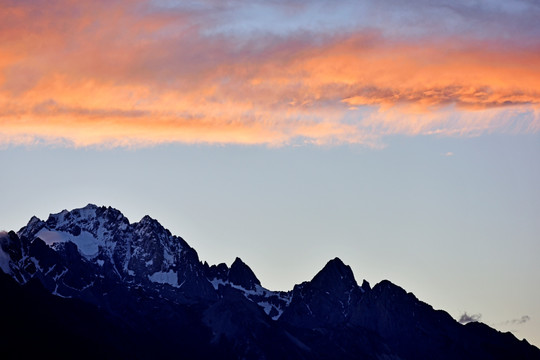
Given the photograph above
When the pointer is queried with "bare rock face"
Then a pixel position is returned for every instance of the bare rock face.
(241, 275)
(325, 300)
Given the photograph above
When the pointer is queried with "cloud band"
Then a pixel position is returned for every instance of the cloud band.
(136, 74)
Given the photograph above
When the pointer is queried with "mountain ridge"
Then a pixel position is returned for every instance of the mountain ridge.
(141, 278)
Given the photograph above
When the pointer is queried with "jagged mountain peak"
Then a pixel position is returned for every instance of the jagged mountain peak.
(148, 220)
(388, 288)
(94, 206)
(239, 274)
(242, 275)
(335, 275)
(142, 252)
(151, 225)
(89, 217)
(327, 299)
(365, 285)
(237, 262)
(33, 220)
(97, 220)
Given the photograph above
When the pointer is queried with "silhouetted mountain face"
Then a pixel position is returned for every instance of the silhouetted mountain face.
(88, 283)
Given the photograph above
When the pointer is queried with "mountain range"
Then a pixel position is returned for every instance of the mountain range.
(88, 283)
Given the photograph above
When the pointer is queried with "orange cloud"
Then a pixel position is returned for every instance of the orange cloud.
(123, 74)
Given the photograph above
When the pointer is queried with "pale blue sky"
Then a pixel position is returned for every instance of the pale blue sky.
(460, 231)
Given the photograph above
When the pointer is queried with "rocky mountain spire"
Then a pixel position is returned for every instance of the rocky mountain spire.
(241, 274)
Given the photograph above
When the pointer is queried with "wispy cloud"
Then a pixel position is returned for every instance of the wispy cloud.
(518, 321)
(140, 73)
(466, 318)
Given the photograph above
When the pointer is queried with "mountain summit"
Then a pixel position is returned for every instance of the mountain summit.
(335, 275)
(89, 279)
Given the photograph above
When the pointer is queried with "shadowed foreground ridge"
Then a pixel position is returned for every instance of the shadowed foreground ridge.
(89, 283)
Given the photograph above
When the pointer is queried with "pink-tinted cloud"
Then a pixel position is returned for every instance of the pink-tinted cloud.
(129, 74)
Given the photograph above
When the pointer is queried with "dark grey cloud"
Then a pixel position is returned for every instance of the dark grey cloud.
(466, 318)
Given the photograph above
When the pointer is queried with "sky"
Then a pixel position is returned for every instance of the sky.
(402, 137)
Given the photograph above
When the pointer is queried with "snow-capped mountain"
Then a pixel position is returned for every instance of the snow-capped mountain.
(78, 253)
(150, 287)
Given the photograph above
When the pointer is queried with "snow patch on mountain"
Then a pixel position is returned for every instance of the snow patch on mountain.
(162, 277)
(216, 282)
(267, 307)
(272, 302)
(259, 290)
(87, 244)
